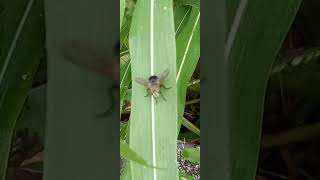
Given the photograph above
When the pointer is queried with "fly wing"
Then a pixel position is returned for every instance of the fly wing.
(141, 81)
(164, 75)
(85, 55)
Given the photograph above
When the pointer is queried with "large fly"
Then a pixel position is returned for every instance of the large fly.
(86, 55)
(155, 84)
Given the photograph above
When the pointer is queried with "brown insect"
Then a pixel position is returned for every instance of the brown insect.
(154, 85)
(86, 55)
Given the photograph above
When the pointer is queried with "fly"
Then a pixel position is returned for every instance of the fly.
(86, 55)
(155, 85)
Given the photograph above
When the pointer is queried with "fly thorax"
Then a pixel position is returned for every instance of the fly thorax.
(153, 80)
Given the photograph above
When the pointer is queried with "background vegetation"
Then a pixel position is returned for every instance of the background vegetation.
(290, 107)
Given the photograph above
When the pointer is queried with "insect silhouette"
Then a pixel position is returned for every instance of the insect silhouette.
(86, 55)
(155, 85)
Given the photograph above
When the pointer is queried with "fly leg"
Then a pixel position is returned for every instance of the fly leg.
(161, 94)
(165, 87)
(155, 99)
(148, 92)
(114, 89)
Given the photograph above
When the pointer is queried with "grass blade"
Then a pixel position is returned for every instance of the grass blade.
(181, 16)
(21, 54)
(188, 53)
(129, 154)
(195, 3)
(125, 80)
(33, 114)
(124, 34)
(152, 50)
(253, 42)
(190, 126)
(192, 154)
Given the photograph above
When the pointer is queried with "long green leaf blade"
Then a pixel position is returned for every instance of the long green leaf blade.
(153, 126)
(129, 154)
(253, 42)
(188, 53)
(20, 56)
(125, 80)
(181, 16)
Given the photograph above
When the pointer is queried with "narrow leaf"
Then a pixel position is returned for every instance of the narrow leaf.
(153, 121)
(125, 80)
(181, 16)
(195, 3)
(190, 126)
(192, 154)
(131, 155)
(254, 39)
(20, 56)
(188, 53)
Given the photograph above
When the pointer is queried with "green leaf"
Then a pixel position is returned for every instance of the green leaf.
(124, 34)
(181, 16)
(128, 95)
(184, 176)
(21, 52)
(190, 126)
(188, 53)
(256, 33)
(125, 67)
(131, 155)
(153, 50)
(33, 114)
(194, 3)
(187, 136)
(125, 80)
(123, 130)
(191, 154)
